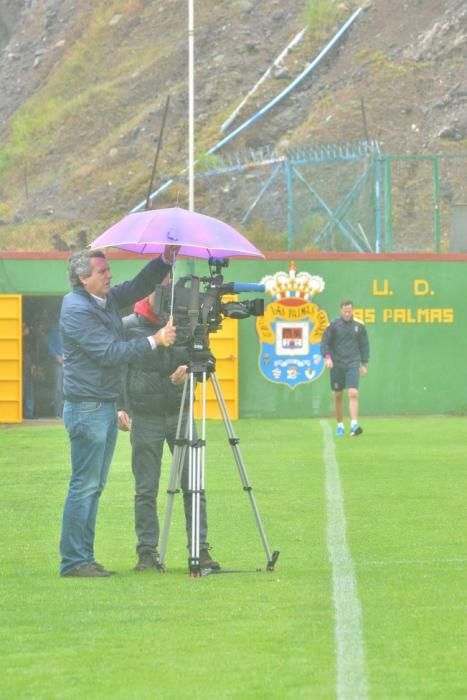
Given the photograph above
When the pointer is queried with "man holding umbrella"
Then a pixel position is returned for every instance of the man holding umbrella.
(94, 353)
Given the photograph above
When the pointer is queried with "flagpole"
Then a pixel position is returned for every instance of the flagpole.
(191, 138)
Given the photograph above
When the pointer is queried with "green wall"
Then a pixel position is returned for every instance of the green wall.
(415, 313)
(48, 275)
(414, 309)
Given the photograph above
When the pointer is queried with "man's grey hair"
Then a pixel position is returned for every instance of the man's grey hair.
(79, 265)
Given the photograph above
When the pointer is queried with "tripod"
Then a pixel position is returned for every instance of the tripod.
(203, 368)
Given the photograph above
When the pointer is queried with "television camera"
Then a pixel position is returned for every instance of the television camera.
(198, 308)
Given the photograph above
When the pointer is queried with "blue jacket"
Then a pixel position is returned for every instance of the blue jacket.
(93, 346)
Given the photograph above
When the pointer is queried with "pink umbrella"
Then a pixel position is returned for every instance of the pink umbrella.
(199, 236)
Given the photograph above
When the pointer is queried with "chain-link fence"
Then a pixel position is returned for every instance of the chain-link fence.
(420, 195)
(342, 198)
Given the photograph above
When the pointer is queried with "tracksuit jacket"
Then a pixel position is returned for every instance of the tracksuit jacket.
(346, 342)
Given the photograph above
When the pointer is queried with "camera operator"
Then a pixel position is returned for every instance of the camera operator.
(94, 353)
(153, 393)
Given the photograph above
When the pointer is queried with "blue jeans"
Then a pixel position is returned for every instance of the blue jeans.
(92, 429)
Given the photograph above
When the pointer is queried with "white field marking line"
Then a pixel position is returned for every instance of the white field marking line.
(409, 562)
(351, 661)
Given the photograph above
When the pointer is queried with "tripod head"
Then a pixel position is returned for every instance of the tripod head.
(202, 362)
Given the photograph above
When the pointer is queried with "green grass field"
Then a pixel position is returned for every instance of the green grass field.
(367, 600)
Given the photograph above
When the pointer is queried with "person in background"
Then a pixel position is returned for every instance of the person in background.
(29, 371)
(55, 352)
(94, 352)
(345, 348)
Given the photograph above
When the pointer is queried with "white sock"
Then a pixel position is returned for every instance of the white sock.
(340, 425)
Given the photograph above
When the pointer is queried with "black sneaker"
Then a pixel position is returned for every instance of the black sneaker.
(148, 560)
(206, 561)
(87, 571)
(356, 431)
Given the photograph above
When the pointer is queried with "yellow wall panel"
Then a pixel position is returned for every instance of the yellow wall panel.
(10, 412)
(228, 389)
(10, 369)
(11, 385)
(10, 390)
(9, 327)
(224, 347)
(10, 349)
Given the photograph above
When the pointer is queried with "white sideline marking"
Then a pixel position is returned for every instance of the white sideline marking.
(410, 562)
(351, 662)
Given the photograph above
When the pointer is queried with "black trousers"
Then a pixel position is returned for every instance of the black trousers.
(148, 435)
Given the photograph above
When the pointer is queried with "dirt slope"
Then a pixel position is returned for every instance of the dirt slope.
(84, 86)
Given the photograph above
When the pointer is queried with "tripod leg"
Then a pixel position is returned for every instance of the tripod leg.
(178, 459)
(234, 444)
(196, 477)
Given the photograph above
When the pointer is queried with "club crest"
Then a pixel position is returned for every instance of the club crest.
(291, 329)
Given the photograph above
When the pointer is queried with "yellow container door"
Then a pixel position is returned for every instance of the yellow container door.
(224, 347)
(11, 346)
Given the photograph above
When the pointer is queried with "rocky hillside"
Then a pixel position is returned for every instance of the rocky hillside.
(84, 86)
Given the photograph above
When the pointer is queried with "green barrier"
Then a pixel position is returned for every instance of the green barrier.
(414, 308)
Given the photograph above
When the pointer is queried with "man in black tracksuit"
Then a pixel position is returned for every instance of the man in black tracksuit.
(346, 351)
(153, 394)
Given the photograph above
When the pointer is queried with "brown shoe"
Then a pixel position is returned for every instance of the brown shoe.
(87, 571)
(148, 560)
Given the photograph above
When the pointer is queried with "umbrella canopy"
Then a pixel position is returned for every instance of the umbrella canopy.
(198, 235)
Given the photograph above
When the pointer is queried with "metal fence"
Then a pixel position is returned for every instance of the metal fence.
(420, 195)
(342, 198)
